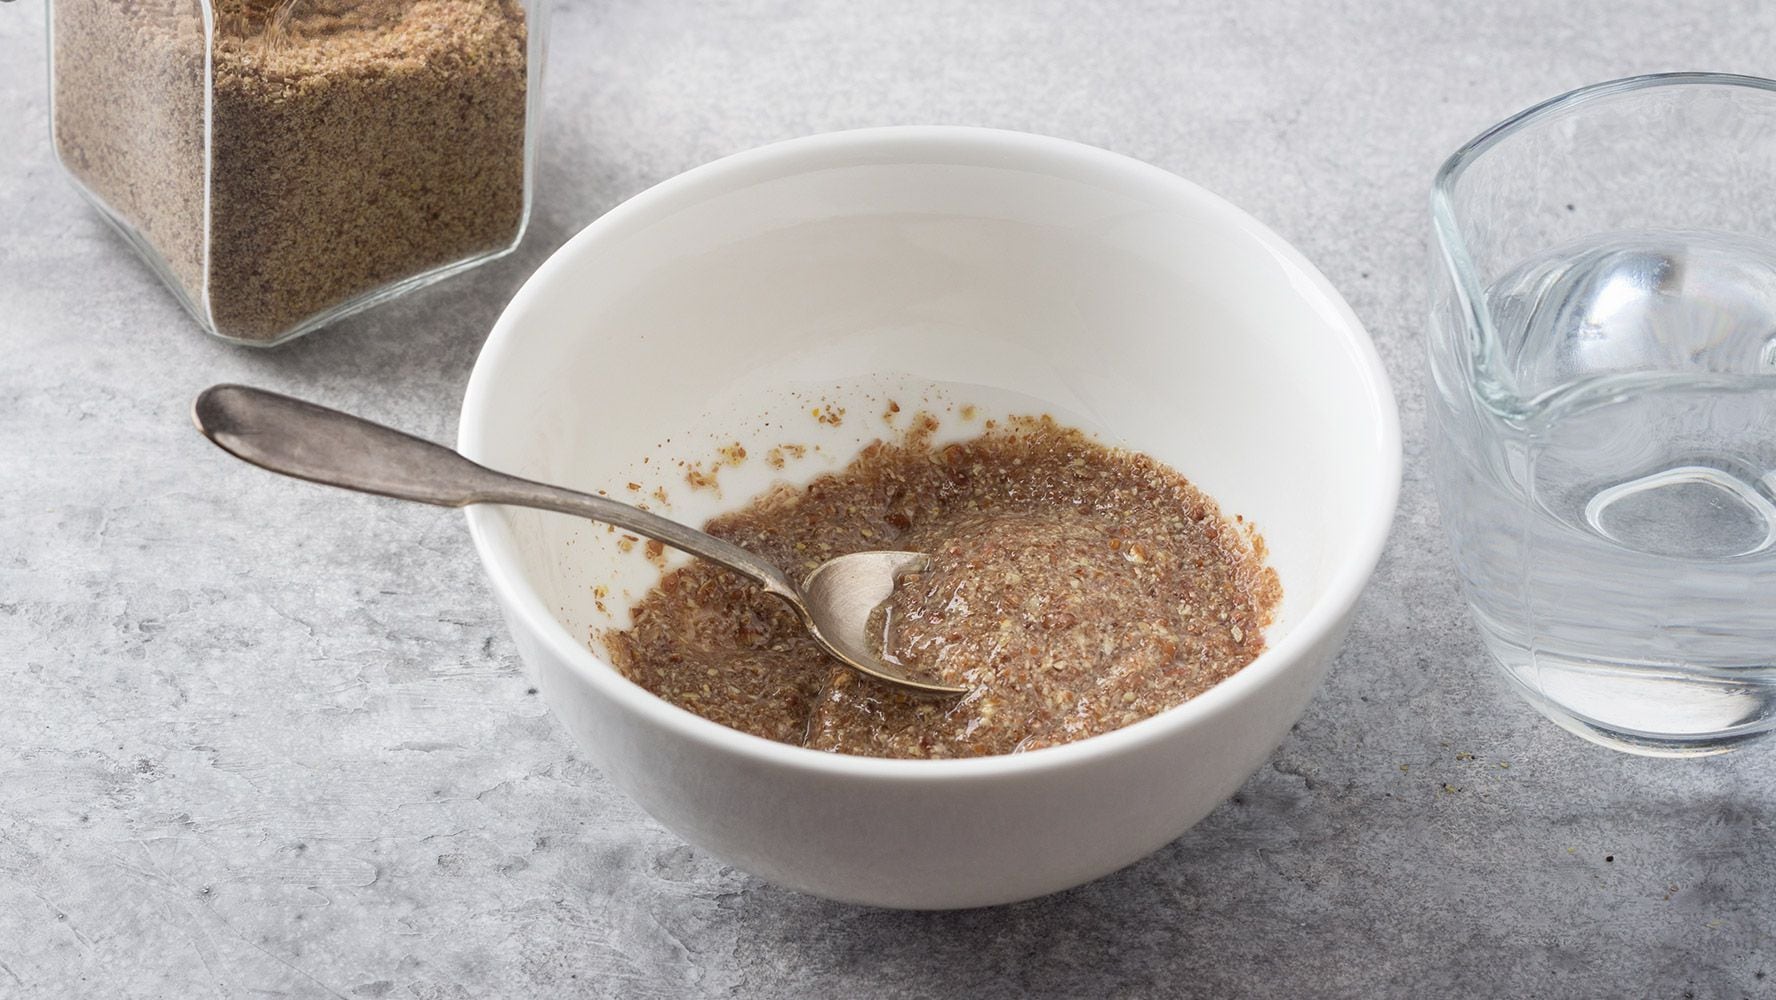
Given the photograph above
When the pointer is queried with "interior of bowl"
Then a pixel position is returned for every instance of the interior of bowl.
(803, 300)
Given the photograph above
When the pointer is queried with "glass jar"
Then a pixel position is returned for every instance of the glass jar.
(284, 163)
(1602, 354)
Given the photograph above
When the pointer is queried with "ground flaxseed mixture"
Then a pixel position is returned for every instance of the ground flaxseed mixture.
(355, 143)
(1073, 588)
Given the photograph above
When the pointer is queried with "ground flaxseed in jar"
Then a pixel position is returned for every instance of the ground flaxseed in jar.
(1073, 588)
(286, 160)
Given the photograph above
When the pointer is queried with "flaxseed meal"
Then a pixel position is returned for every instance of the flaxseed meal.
(352, 144)
(1073, 588)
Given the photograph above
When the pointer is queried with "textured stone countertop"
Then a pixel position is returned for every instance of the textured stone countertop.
(262, 739)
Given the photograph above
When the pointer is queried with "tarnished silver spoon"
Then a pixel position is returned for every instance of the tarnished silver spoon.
(308, 441)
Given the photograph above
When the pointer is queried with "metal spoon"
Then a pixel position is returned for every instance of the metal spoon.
(307, 441)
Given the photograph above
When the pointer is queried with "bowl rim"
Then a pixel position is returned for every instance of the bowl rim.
(894, 144)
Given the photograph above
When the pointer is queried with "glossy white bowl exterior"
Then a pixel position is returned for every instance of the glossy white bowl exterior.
(1159, 313)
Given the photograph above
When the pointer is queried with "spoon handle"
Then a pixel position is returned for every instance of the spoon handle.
(307, 441)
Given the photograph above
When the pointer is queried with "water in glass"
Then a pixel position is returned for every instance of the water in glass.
(1619, 545)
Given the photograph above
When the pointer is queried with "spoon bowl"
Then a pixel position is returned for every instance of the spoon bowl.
(308, 441)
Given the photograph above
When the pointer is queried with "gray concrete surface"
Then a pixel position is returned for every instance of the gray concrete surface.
(263, 739)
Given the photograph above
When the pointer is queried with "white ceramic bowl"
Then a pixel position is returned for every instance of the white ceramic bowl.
(842, 270)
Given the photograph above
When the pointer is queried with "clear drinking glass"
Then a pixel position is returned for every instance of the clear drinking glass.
(1603, 405)
(284, 163)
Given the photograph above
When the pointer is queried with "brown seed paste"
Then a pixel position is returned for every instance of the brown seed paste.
(1074, 589)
